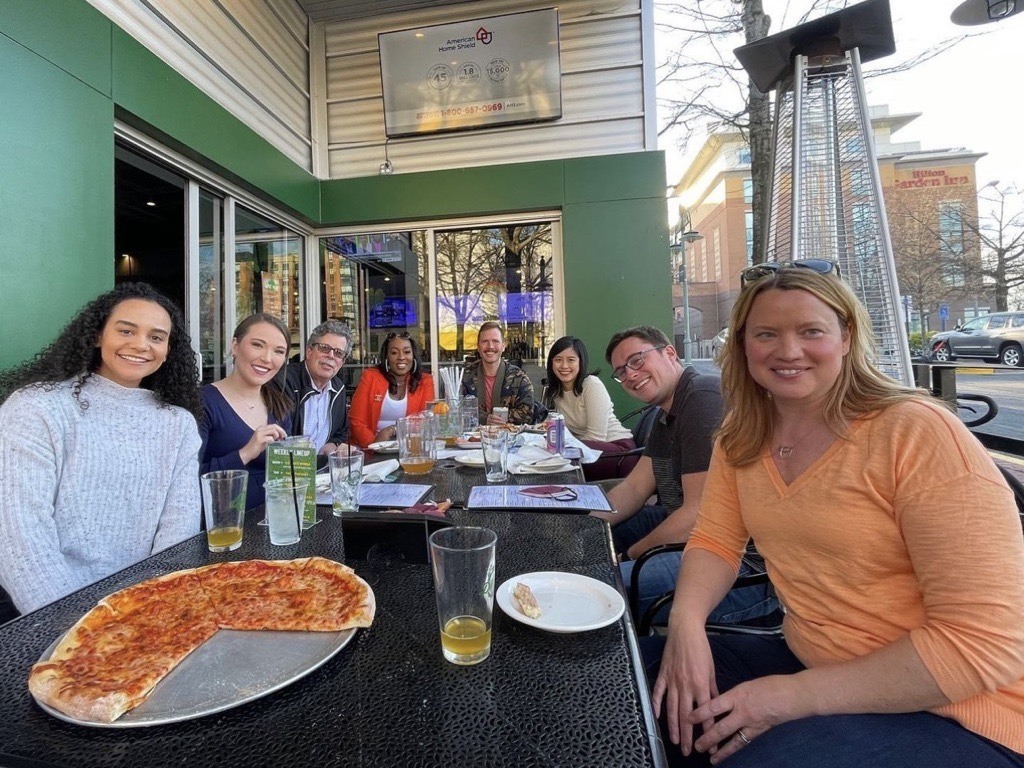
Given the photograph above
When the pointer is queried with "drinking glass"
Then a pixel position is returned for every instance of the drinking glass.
(286, 501)
(346, 477)
(494, 441)
(462, 559)
(224, 507)
(417, 443)
(469, 413)
(449, 419)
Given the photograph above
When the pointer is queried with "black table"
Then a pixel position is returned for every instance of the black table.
(454, 481)
(388, 698)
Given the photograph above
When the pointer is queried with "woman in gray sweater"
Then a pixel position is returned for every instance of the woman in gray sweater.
(99, 447)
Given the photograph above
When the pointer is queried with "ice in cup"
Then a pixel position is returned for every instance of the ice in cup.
(417, 443)
(462, 559)
(494, 442)
(224, 508)
(346, 476)
(286, 501)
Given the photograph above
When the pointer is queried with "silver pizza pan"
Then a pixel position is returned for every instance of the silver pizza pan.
(228, 670)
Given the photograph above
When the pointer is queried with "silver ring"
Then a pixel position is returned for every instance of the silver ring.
(743, 736)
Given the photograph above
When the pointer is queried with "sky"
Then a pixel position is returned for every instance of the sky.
(969, 96)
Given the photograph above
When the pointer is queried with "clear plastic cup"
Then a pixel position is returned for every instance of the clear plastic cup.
(286, 501)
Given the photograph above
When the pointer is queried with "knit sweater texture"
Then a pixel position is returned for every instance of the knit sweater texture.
(903, 527)
(591, 415)
(87, 492)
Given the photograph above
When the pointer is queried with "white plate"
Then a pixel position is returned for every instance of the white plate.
(544, 469)
(384, 446)
(474, 459)
(568, 602)
(468, 445)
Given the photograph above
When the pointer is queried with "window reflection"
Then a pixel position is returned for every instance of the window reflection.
(268, 261)
(211, 286)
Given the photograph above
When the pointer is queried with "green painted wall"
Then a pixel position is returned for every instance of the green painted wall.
(56, 199)
(615, 246)
(68, 71)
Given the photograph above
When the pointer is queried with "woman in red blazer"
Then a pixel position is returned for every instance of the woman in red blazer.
(394, 388)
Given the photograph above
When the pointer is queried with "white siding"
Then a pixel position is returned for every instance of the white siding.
(603, 104)
(250, 56)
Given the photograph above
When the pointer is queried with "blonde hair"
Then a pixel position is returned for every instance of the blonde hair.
(860, 390)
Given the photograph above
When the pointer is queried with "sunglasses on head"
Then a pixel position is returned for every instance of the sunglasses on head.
(398, 335)
(759, 271)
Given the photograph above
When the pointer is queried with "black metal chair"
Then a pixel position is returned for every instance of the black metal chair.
(1017, 487)
(763, 625)
(7, 609)
(645, 419)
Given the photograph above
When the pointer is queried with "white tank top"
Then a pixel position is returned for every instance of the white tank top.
(390, 412)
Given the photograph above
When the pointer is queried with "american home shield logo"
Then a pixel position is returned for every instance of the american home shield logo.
(484, 36)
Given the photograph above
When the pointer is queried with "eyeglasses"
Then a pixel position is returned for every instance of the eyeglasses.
(398, 335)
(634, 363)
(758, 271)
(327, 349)
(555, 493)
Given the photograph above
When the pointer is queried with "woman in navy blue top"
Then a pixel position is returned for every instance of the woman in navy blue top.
(242, 414)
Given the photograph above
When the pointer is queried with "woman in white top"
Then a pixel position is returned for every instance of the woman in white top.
(394, 388)
(587, 407)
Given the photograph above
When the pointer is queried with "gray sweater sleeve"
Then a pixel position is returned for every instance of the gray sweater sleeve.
(32, 568)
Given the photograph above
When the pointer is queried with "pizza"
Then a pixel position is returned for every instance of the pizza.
(113, 657)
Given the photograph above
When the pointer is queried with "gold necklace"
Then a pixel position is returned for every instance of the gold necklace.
(785, 451)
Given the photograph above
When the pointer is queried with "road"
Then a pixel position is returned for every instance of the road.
(1004, 385)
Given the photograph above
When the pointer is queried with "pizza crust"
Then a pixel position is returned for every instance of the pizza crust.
(113, 657)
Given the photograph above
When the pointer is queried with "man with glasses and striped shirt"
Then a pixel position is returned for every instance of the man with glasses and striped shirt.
(318, 394)
(674, 465)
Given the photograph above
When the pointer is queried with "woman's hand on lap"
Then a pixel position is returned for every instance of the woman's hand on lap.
(753, 707)
(686, 677)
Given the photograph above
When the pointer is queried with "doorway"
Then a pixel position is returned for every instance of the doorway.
(149, 224)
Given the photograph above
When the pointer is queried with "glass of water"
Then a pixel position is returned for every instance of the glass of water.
(346, 477)
(286, 501)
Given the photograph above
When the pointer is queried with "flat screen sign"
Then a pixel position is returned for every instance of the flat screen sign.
(471, 74)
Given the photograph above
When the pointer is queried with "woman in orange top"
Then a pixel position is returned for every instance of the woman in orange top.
(892, 541)
(395, 387)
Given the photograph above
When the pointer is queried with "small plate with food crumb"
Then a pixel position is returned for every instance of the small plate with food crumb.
(560, 602)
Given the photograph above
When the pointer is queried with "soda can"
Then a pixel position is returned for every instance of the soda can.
(554, 428)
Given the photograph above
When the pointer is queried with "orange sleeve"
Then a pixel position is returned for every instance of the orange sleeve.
(424, 394)
(364, 413)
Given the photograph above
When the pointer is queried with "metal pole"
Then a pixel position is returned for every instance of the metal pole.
(686, 308)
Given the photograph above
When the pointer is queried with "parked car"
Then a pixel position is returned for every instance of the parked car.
(997, 338)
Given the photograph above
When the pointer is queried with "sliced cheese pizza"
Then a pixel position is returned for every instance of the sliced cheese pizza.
(113, 657)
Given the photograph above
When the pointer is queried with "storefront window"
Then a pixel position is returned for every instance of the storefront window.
(268, 262)
(211, 286)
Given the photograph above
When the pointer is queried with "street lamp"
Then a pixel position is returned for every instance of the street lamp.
(678, 250)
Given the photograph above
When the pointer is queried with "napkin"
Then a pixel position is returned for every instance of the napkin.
(376, 472)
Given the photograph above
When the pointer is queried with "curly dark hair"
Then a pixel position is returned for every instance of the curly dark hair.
(415, 375)
(74, 354)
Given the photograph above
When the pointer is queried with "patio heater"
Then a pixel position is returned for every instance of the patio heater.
(826, 196)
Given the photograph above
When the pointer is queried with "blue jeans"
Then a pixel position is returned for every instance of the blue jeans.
(659, 574)
(905, 740)
(629, 532)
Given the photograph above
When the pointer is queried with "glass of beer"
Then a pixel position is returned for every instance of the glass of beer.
(417, 443)
(224, 508)
(462, 559)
